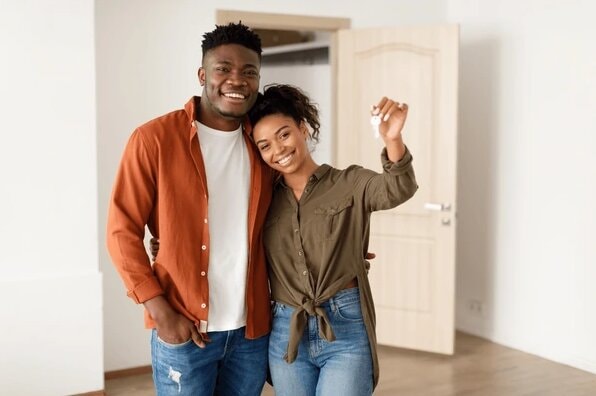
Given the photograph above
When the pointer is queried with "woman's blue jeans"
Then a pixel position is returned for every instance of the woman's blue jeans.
(322, 368)
(230, 365)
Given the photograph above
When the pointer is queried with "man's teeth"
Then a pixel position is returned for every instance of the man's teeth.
(234, 95)
(285, 160)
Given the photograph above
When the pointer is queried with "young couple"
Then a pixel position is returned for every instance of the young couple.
(244, 216)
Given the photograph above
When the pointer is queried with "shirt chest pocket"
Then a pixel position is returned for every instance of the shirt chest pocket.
(271, 235)
(333, 217)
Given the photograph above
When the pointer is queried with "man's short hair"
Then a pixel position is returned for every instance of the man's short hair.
(232, 33)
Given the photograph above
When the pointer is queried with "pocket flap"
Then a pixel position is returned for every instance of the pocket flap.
(271, 222)
(335, 207)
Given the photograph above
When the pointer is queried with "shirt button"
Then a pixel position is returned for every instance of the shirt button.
(304, 273)
(204, 247)
(203, 305)
(296, 230)
(205, 221)
(202, 273)
(299, 252)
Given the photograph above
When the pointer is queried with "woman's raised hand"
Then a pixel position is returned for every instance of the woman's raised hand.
(392, 116)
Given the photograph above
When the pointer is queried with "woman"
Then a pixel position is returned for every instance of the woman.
(316, 236)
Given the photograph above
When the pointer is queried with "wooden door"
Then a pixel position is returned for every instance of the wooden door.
(413, 276)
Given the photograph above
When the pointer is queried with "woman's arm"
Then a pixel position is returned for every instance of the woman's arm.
(392, 116)
(397, 183)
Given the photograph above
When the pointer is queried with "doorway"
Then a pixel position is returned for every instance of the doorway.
(299, 50)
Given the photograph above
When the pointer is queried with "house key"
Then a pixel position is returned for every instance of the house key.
(375, 121)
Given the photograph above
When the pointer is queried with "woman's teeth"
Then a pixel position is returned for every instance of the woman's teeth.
(283, 161)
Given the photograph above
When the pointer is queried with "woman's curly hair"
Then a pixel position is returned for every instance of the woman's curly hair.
(290, 101)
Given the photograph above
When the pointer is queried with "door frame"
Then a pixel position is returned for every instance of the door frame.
(263, 20)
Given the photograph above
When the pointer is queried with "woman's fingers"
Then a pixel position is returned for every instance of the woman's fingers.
(376, 110)
(390, 116)
(386, 107)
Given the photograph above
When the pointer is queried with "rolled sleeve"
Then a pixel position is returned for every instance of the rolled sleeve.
(399, 167)
(146, 290)
(394, 186)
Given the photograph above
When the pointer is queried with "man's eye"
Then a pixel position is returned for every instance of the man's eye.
(222, 69)
(252, 73)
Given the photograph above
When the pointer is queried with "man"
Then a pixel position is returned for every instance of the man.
(193, 177)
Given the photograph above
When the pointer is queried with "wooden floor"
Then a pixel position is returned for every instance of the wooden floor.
(478, 367)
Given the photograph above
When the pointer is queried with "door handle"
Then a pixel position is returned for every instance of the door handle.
(439, 207)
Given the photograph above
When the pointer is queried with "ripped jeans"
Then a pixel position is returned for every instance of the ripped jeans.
(229, 365)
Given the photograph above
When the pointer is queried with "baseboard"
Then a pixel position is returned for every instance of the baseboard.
(572, 360)
(582, 364)
(109, 375)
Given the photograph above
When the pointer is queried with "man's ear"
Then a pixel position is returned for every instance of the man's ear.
(201, 74)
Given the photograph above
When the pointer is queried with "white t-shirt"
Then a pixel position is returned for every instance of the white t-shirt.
(227, 166)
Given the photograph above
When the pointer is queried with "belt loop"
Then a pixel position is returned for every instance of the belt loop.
(202, 326)
(333, 304)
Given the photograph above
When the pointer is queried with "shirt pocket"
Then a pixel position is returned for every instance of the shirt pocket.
(271, 235)
(334, 216)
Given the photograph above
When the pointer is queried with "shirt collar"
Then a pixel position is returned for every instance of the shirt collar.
(319, 173)
(192, 108)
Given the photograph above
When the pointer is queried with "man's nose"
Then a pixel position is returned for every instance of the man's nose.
(236, 78)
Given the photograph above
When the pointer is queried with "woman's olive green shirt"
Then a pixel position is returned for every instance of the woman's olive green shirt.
(316, 245)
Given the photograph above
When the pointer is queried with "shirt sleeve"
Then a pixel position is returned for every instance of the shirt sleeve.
(394, 186)
(131, 204)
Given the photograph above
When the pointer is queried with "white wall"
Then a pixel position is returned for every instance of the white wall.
(526, 190)
(148, 53)
(50, 287)
(527, 173)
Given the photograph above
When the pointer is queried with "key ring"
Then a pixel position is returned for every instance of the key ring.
(375, 121)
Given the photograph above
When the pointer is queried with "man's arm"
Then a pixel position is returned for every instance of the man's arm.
(130, 206)
(133, 199)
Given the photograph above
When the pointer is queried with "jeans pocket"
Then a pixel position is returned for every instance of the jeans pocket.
(173, 346)
(277, 309)
(349, 311)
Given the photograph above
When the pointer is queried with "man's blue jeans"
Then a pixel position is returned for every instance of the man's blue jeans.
(229, 365)
(322, 368)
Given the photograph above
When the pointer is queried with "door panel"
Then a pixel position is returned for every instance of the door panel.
(412, 277)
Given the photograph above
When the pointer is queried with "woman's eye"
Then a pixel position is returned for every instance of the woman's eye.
(263, 147)
(284, 135)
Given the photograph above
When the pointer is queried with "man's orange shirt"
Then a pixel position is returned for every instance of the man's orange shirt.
(162, 183)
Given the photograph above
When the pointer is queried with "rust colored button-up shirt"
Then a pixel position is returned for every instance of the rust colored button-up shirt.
(161, 183)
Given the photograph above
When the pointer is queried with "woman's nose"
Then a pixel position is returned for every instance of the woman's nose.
(278, 148)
